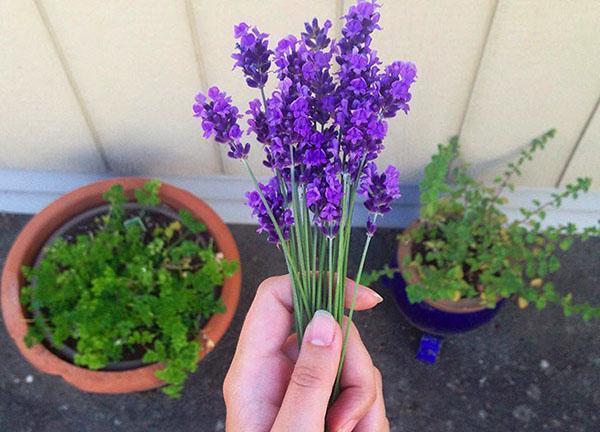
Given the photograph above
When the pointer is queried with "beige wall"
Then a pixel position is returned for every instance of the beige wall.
(86, 84)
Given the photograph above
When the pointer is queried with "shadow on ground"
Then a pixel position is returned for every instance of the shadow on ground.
(525, 371)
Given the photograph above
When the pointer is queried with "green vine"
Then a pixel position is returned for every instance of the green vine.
(466, 247)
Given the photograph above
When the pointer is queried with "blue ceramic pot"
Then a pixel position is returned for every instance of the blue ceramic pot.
(438, 317)
(430, 318)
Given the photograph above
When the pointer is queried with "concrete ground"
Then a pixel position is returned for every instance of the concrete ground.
(525, 371)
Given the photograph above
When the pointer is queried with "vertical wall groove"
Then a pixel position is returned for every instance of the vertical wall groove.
(338, 21)
(576, 146)
(72, 83)
(478, 67)
(192, 25)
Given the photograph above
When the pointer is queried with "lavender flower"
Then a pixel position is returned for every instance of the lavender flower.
(315, 37)
(276, 202)
(380, 189)
(257, 123)
(219, 119)
(394, 87)
(219, 116)
(321, 129)
(237, 150)
(317, 126)
(253, 55)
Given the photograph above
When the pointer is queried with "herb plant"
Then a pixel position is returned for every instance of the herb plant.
(128, 287)
(465, 246)
(321, 129)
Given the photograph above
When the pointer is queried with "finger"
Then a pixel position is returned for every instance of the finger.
(290, 347)
(375, 420)
(269, 319)
(267, 324)
(305, 402)
(270, 316)
(366, 298)
(358, 387)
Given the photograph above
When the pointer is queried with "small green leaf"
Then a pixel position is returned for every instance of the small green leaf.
(566, 243)
(190, 222)
(148, 195)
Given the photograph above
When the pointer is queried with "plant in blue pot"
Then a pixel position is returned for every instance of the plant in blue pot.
(462, 258)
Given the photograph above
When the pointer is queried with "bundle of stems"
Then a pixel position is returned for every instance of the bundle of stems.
(318, 263)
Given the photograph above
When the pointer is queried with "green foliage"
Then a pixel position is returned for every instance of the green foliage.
(434, 180)
(191, 223)
(369, 278)
(148, 194)
(466, 247)
(119, 291)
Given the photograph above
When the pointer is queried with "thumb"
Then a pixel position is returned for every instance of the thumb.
(307, 397)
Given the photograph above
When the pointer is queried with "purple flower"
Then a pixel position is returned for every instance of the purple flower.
(257, 123)
(315, 37)
(219, 116)
(253, 56)
(329, 213)
(380, 189)
(277, 203)
(315, 158)
(371, 226)
(354, 135)
(394, 88)
(237, 150)
(313, 195)
(324, 123)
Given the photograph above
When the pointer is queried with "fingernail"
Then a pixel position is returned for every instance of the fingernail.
(321, 329)
(375, 295)
(348, 426)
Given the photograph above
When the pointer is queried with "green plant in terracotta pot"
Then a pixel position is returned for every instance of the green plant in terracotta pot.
(464, 252)
(127, 284)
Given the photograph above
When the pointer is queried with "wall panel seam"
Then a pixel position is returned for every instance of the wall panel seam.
(478, 67)
(193, 27)
(338, 22)
(577, 142)
(72, 83)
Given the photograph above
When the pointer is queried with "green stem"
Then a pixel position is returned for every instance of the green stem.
(321, 269)
(336, 388)
(301, 288)
(264, 98)
(330, 275)
(338, 312)
(314, 270)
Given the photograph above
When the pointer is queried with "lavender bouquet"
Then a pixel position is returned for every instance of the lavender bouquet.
(321, 130)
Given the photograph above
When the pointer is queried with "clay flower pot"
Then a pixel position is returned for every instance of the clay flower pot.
(439, 316)
(28, 245)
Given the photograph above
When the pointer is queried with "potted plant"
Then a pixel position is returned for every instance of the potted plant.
(121, 286)
(463, 256)
(322, 128)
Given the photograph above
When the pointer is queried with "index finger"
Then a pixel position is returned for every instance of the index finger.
(270, 317)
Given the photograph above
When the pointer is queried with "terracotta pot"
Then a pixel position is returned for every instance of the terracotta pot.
(439, 316)
(29, 243)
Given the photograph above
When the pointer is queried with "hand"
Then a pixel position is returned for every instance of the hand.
(271, 386)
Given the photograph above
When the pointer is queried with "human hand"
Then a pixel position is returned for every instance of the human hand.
(271, 386)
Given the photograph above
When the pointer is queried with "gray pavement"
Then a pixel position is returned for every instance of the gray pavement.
(525, 371)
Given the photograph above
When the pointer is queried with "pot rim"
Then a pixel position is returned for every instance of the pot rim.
(462, 306)
(36, 232)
